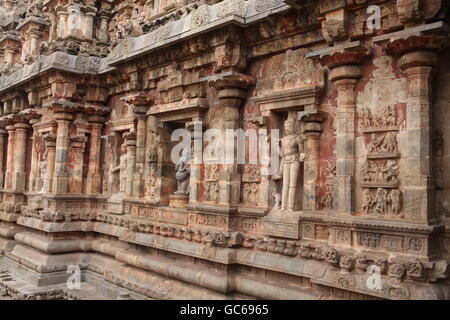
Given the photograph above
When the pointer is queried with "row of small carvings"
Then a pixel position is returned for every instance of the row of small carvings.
(6, 290)
(412, 268)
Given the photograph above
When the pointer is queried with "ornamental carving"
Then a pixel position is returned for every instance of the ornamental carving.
(200, 16)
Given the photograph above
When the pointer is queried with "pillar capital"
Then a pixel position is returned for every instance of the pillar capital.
(230, 80)
(403, 45)
(418, 59)
(34, 121)
(312, 121)
(348, 54)
(63, 116)
(22, 125)
(130, 138)
(96, 119)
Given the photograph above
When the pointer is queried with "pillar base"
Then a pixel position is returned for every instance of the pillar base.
(178, 201)
(283, 224)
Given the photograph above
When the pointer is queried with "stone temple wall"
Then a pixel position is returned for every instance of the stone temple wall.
(338, 183)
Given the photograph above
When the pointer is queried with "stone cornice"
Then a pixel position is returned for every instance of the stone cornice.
(204, 19)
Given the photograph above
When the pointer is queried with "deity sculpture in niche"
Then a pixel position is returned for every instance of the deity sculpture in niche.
(291, 156)
(122, 169)
(183, 173)
(43, 173)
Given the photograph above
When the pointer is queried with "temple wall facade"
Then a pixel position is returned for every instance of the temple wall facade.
(316, 159)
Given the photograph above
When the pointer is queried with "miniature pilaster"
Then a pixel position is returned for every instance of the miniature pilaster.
(196, 130)
(130, 141)
(345, 73)
(60, 179)
(33, 181)
(312, 129)
(50, 145)
(20, 153)
(231, 89)
(78, 146)
(2, 156)
(417, 58)
(93, 183)
(9, 157)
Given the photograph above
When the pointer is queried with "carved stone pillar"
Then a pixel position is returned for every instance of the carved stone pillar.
(60, 178)
(103, 30)
(93, 183)
(2, 156)
(50, 145)
(34, 169)
(10, 156)
(130, 141)
(138, 186)
(61, 22)
(9, 57)
(89, 24)
(312, 129)
(345, 72)
(231, 89)
(417, 58)
(196, 130)
(78, 146)
(20, 154)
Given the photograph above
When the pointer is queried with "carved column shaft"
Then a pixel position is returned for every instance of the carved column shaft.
(33, 185)
(20, 153)
(345, 80)
(131, 165)
(60, 180)
(9, 157)
(196, 159)
(77, 147)
(231, 91)
(50, 145)
(138, 186)
(418, 194)
(313, 131)
(2, 157)
(93, 183)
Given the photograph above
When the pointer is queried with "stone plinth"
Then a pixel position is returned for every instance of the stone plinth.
(178, 200)
(283, 224)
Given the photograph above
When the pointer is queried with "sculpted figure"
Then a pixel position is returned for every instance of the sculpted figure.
(375, 143)
(395, 201)
(43, 169)
(291, 156)
(327, 200)
(391, 171)
(254, 194)
(381, 201)
(367, 118)
(367, 201)
(246, 193)
(390, 116)
(183, 173)
(122, 169)
(390, 143)
(365, 172)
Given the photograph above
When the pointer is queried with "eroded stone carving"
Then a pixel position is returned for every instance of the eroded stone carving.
(291, 156)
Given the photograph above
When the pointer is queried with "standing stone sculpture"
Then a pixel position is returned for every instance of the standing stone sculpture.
(182, 174)
(291, 156)
(43, 170)
(122, 169)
